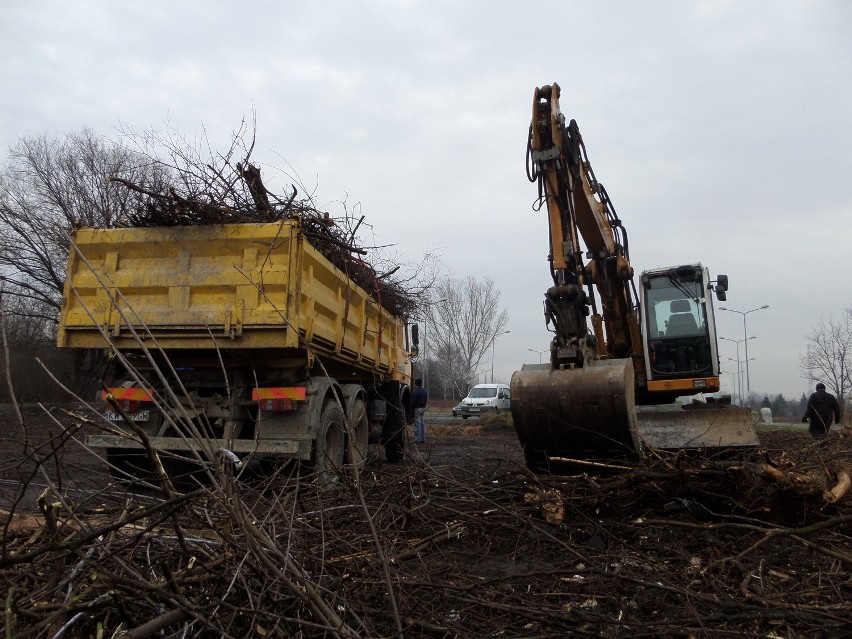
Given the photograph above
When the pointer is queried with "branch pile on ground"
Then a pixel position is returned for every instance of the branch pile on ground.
(680, 547)
(238, 195)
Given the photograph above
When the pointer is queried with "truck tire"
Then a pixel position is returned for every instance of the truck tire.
(327, 456)
(359, 432)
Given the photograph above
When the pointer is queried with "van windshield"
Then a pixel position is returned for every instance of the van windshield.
(476, 391)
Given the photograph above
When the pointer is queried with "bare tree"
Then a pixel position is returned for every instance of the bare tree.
(443, 373)
(465, 317)
(31, 343)
(49, 186)
(829, 354)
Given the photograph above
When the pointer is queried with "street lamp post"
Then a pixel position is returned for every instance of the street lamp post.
(745, 339)
(739, 375)
(425, 364)
(733, 383)
(540, 353)
(493, 339)
(747, 401)
(739, 385)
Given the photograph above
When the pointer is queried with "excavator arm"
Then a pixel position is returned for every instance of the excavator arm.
(579, 210)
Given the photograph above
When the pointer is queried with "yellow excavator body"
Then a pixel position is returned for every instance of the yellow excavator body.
(617, 389)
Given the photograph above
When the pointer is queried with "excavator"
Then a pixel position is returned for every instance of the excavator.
(618, 388)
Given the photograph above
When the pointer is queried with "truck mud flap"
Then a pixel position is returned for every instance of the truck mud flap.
(393, 427)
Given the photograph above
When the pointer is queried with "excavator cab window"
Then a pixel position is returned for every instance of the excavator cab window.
(676, 330)
(682, 319)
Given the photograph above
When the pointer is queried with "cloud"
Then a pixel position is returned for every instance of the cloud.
(719, 128)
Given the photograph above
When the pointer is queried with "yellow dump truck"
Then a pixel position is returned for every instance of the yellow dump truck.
(239, 337)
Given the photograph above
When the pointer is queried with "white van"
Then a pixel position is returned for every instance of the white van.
(484, 398)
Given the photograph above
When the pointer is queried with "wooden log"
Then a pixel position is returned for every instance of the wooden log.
(840, 489)
(800, 483)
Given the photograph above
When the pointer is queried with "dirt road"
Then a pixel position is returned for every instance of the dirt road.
(55, 434)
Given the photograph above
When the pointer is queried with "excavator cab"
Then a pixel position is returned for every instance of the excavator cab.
(679, 331)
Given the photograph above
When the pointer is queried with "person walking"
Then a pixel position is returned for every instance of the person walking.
(419, 399)
(822, 406)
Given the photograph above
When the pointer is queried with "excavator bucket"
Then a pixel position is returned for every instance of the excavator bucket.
(585, 413)
(589, 414)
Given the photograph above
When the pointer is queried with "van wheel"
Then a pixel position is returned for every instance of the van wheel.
(464, 416)
(496, 411)
(359, 433)
(327, 457)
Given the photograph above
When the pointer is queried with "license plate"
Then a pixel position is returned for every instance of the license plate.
(474, 410)
(138, 416)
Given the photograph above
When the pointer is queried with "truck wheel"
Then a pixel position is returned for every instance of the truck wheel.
(328, 450)
(359, 432)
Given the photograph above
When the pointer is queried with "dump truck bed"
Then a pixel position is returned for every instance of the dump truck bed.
(234, 286)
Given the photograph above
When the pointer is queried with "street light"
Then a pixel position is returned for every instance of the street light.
(540, 353)
(739, 375)
(733, 382)
(425, 365)
(739, 385)
(493, 339)
(745, 339)
(747, 402)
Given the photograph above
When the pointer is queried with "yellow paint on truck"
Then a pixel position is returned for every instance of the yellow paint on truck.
(234, 286)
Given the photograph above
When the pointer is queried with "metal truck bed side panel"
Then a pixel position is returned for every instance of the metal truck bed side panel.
(237, 286)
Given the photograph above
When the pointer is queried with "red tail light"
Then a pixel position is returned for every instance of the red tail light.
(279, 399)
(277, 405)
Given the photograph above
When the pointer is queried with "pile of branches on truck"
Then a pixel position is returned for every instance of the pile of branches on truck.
(237, 195)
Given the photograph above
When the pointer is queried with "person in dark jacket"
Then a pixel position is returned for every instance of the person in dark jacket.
(419, 398)
(822, 407)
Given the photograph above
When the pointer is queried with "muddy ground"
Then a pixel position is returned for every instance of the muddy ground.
(470, 544)
(56, 432)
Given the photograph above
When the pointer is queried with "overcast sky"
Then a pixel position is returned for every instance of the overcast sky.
(722, 130)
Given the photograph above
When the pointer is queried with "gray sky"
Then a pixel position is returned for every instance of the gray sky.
(721, 130)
